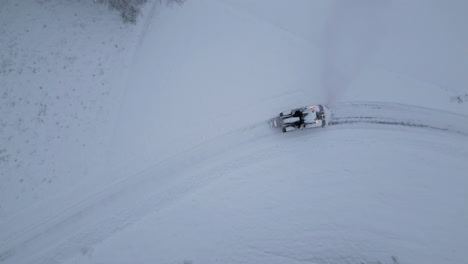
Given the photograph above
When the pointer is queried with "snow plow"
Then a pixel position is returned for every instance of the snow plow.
(303, 117)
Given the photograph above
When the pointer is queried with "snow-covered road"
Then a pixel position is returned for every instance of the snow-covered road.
(122, 203)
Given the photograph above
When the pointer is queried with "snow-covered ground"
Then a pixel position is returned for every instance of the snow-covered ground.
(148, 143)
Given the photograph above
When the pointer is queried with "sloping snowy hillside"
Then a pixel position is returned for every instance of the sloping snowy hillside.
(149, 142)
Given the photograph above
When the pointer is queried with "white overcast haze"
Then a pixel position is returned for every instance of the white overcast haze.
(150, 143)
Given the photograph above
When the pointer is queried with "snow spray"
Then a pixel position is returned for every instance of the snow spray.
(351, 35)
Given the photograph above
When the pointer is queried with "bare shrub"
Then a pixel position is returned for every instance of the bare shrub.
(130, 9)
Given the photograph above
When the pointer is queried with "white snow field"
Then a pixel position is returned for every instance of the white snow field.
(150, 143)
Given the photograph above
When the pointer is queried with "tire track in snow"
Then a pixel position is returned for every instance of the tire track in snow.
(371, 113)
(122, 203)
(382, 122)
(76, 228)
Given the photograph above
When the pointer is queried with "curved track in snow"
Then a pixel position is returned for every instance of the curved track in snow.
(372, 113)
(75, 229)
